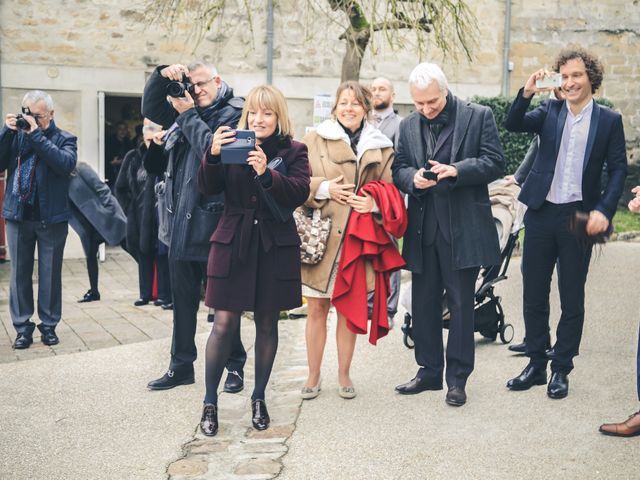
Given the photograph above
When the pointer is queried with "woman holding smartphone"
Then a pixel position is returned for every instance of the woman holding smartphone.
(254, 261)
(345, 152)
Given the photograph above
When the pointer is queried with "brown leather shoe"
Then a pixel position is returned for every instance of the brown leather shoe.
(629, 428)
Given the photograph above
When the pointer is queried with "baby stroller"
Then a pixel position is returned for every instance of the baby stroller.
(489, 316)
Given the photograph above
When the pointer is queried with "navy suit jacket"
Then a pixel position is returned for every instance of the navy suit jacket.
(605, 147)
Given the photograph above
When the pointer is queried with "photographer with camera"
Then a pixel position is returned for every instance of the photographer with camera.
(190, 103)
(38, 158)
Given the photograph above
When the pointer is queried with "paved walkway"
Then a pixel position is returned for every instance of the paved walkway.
(88, 414)
(90, 326)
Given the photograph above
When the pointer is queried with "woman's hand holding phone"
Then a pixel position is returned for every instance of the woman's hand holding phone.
(222, 136)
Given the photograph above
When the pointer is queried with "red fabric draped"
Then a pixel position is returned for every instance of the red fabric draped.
(367, 240)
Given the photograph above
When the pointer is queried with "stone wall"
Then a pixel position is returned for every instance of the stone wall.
(609, 28)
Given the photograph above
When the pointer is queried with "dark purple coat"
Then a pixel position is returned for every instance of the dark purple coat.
(254, 261)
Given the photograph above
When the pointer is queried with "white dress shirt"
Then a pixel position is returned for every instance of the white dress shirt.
(566, 186)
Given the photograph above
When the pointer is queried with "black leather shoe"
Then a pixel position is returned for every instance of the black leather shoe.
(519, 347)
(158, 302)
(209, 420)
(90, 296)
(167, 306)
(529, 377)
(234, 382)
(171, 379)
(417, 385)
(456, 397)
(48, 335)
(140, 302)
(558, 385)
(551, 354)
(259, 415)
(23, 340)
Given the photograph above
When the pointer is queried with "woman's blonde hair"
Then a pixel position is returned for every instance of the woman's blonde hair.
(362, 94)
(268, 97)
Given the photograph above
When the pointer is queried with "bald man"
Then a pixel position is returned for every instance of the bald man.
(383, 117)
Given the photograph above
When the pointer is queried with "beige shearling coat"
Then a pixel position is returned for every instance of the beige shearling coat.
(330, 155)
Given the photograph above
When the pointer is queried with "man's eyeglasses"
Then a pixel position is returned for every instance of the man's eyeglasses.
(203, 83)
(26, 111)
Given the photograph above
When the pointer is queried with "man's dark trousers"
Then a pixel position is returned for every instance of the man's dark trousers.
(186, 282)
(22, 238)
(547, 239)
(426, 294)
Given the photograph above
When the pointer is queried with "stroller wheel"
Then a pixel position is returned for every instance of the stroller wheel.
(506, 333)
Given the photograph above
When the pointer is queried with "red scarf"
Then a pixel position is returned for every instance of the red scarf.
(367, 240)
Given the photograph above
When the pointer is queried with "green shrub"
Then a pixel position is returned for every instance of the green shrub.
(515, 145)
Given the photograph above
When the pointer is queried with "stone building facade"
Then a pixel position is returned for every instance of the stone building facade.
(84, 50)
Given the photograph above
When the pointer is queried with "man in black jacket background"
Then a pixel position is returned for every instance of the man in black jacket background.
(190, 120)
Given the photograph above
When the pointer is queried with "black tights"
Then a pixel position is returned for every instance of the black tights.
(92, 263)
(219, 348)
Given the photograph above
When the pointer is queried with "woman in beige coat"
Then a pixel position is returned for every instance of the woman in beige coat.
(345, 153)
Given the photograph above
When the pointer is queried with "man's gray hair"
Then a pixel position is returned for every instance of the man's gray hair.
(35, 96)
(424, 74)
(201, 64)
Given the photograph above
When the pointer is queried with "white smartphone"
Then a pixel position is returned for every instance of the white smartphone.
(552, 81)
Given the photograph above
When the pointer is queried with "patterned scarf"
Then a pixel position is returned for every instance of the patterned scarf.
(24, 185)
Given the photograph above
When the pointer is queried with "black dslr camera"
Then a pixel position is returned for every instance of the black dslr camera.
(21, 123)
(176, 89)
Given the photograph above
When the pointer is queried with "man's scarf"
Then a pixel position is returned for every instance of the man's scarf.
(24, 185)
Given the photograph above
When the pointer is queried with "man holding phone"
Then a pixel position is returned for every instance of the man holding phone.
(190, 102)
(578, 139)
(447, 152)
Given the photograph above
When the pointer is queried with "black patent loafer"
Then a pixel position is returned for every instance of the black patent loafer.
(259, 415)
(48, 335)
(558, 385)
(167, 306)
(456, 396)
(234, 382)
(529, 377)
(209, 420)
(140, 302)
(171, 379)
(23, 340)
(90, 296)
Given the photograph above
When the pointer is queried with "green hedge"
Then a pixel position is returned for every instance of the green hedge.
(515, 144)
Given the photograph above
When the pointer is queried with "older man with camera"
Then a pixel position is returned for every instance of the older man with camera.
(190, 102)
(38, 158)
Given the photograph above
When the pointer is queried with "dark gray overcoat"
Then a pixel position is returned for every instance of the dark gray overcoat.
(96, 202)
(477, 155)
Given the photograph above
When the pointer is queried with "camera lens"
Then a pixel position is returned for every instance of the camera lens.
(176, 89)
(21, 123)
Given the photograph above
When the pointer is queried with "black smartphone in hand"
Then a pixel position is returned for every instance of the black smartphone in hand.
(429, 175)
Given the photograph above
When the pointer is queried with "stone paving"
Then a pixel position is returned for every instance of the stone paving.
(238, 451)
(90, 326)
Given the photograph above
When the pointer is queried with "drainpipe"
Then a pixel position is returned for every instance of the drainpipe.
(506, 64)
(269, 42)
